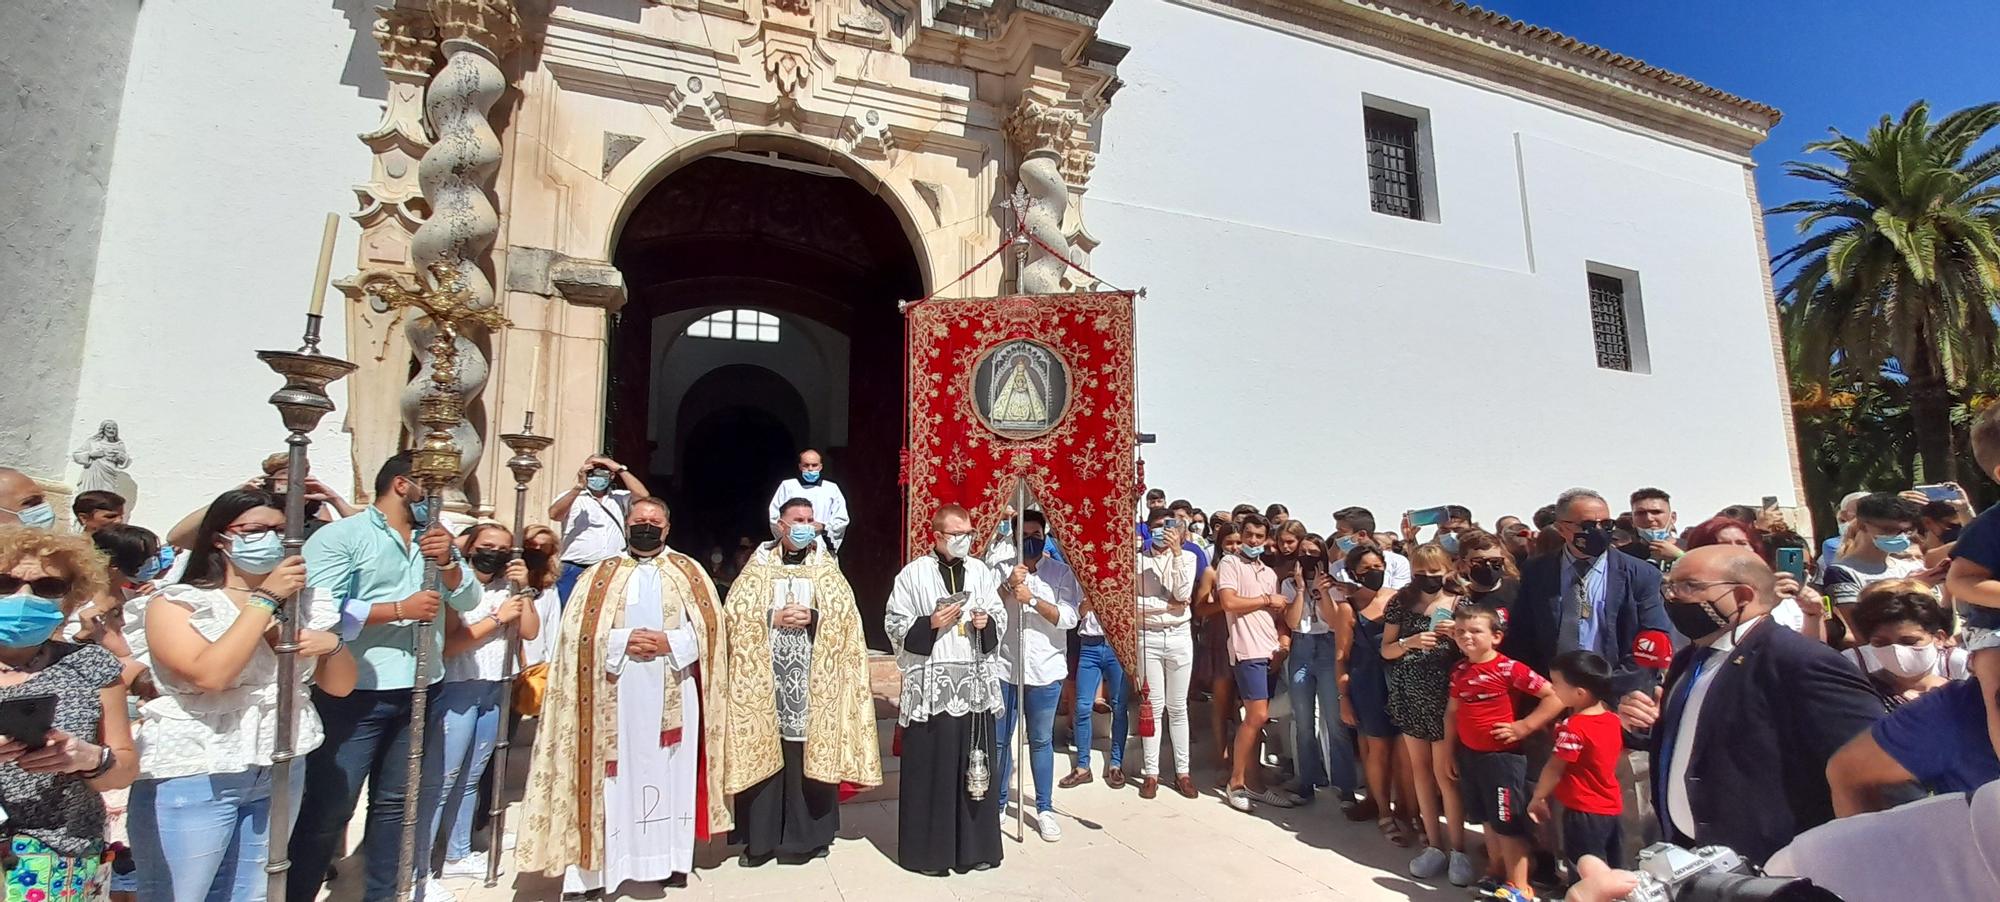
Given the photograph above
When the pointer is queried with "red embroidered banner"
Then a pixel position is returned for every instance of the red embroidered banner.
(1035, 388)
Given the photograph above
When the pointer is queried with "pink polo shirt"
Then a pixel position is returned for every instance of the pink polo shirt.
(1252, 636)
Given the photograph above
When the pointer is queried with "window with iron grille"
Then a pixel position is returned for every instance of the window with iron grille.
(738, 325)
(1394, 184)
(1608, 322)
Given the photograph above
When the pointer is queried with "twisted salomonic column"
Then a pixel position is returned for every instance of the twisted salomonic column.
(1043, 134)
(456, 174)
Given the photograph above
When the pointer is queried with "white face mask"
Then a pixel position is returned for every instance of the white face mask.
(958, 546)
(1905, 661)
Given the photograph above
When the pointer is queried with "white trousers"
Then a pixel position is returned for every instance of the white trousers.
(1169, 657)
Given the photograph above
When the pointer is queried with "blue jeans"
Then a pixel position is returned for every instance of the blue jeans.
(367, 739)
(1098, 663)
(1041, 747)
(205, 837)
(1316, 714)
(471, 725)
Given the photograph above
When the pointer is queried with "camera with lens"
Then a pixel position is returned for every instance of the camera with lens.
(1669, 873)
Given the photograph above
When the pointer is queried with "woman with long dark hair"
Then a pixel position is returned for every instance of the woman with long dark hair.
(200, 811)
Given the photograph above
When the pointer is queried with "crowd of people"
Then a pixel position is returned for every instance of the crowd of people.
(1575, 685)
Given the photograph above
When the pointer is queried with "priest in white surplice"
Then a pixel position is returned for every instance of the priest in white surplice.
(828, 504)
(628, 755)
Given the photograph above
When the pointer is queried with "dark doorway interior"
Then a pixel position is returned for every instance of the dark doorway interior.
(798, 240)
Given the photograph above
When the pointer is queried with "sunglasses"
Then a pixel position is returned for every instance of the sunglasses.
(1606, 525)
(45, 587)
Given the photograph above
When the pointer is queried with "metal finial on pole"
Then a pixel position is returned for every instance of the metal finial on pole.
(435, 465)
(527, 446)
(301, 403)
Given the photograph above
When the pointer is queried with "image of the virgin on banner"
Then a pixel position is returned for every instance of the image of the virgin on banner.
(1035, 388)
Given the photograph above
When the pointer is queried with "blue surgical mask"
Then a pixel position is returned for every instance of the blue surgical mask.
(802, 534)
(1006, 528)
(809, 476)
(420, 515)
(1896, 544)
(161, 563)
(1162, 539)
(597, 483)
(1032, 547)
(1346, 543)
(37, 516)
(1662, 534)
(28, 620)
(1253, 552)
(1449, 542)
(257, 555)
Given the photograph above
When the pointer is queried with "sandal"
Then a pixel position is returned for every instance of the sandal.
(1392, 831)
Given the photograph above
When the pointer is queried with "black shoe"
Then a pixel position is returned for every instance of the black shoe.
(983, 866)
(677, 881)
(754, 861)
(937, 873)
(586, 894)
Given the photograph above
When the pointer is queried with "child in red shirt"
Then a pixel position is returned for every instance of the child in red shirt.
(1583, 772)
(1492, 772)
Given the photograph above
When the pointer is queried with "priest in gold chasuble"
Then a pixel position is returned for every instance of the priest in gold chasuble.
(629, 755)
(801, 717)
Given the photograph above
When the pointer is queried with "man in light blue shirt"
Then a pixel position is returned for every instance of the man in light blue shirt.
(374, 564)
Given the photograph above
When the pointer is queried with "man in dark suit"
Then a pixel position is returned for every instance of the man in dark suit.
(1740, 735)
(1585, 596)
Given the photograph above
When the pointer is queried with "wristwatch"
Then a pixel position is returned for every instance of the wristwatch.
(105, 761)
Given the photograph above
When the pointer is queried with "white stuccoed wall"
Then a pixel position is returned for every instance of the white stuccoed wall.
(201, 263)
(1298, 347)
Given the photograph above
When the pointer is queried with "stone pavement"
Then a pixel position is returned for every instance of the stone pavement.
(1115, 846)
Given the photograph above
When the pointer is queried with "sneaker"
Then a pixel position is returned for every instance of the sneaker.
(1277, 798)
(1487, 886)
(1460, 871)
(1239, 799)
(1045, 823)
(1507, 893)
(436, 892)
(1429, 864)
(473, 865)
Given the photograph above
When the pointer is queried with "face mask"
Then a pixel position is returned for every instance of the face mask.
(1896, 544)
(537, 560)
(1695, 619)
(597, 483)
(1033, 547)
(645, 537)
(1253, 552)
(1591, 541)
(1449, 542)
(1346, 543)
(160, 563)
(809, 476)
(957, 547)
(258, 555)
(1006, 528)
(420, 514)
(1657, 535)
(1485, 573)
(1199, 529)
(492, 560)
(28, 620)
(802, 534)
(1162, 540)
(36, 516)
(1903, 660)
(1429, 585)
(1372, 580)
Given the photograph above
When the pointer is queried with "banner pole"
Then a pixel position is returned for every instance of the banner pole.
(1020, 667)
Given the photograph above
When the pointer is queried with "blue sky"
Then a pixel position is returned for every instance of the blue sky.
(1827, 63)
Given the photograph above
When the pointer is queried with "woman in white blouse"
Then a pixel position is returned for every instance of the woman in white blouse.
(199, 815)
(473, 691)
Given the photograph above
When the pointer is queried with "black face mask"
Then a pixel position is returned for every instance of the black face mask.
(1487, 574)
(1591, 541)
(645, 537)
(1695, 619)
(1428, 584)
(536, 560)
(491, 560)
(1372, 580)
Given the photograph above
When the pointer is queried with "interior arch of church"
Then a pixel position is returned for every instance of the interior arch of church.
(761, 320)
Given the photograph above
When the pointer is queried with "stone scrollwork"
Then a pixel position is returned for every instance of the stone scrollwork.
(869, 136)
(1044, 135)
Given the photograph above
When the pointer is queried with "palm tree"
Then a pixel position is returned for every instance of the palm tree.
(1901, 263)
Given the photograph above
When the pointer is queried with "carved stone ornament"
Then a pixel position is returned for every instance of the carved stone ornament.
(696, 104)
(1035, 126)
(616, 147)
(869, 136)
(493, 24)
(407, 41)
(787, 69)
(795, 7)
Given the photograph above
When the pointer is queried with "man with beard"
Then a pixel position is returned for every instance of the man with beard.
(802, 717)
(628, 763)
(945, 618)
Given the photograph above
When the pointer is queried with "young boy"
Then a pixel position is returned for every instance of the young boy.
(1492, 772)
(1975, 564)
(1583, 772)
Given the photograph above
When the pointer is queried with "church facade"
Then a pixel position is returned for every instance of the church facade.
(1392, 249)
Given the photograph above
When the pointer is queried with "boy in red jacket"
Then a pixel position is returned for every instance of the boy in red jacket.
(1492, 772)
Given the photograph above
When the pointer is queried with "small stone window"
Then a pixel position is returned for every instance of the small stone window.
(1395, 186)
(1617, 321)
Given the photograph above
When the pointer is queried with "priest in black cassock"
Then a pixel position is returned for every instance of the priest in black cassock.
(800, 710)
(945, 617)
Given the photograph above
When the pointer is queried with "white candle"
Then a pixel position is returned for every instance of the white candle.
(325, 265)
(534, 377)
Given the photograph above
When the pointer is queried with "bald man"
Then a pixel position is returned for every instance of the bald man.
(1741, 733)
(22, 501)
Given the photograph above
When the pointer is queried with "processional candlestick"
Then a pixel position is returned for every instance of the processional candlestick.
(525, 463)
(301, 403)
(435, 466)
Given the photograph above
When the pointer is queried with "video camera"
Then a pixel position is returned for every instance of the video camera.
(1669, 873)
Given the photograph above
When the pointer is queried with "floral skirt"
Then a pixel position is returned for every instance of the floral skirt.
(40, 874)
